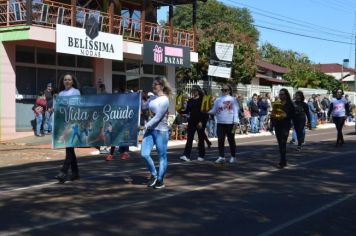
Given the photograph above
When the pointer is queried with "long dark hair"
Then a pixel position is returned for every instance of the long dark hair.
(301, 94)
(198, 88)
(288, 98)
(61, 84)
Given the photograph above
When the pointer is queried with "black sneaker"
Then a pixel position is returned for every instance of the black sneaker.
(61, 177)
(152, 181)
(299, 148)
(74, 177)
(159, 184)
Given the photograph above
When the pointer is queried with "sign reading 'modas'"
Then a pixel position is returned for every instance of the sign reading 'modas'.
(96, 120)
(88, 42)
(165, 54)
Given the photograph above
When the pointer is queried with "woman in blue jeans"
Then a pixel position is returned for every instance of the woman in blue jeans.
(156, 131)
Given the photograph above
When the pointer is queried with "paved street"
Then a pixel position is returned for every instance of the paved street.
(314, 195)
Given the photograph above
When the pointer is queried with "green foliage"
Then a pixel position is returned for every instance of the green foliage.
(302, 73)
(217, 22)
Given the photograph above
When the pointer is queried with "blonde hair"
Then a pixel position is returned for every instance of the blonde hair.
(165, 84)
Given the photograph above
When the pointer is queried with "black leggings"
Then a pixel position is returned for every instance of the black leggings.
(224, 130)
(189, 144)
(282, 133)
(339, 123)
(299, 126)
(70, 162)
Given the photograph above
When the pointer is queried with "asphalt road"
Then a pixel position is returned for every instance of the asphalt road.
(314, 195)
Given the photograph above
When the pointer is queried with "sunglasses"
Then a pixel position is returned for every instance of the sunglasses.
(225, 90)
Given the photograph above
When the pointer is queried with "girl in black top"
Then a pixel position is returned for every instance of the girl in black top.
(196, 122)
(299, 120)
(282, 121)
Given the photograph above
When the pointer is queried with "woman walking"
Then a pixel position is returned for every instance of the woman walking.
(156, 132)
(226, 111)
(340, 110)
(196, 123)
(68, 87)
(299, 120)
(282, 114)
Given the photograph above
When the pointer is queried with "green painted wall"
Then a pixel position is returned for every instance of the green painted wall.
(10, 34)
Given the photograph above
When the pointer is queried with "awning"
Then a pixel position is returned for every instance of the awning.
(271, 79)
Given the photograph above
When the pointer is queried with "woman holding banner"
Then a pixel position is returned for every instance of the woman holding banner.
(68, 86)
(156, 131)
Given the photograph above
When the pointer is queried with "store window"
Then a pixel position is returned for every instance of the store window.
(118, 66)
(45, 76)
(26, 80)
(84, 62)
(133, 67)
(25, 54)
(118, 82)
(160, 70)
(66, 60)
(147, 69)
(46, 56)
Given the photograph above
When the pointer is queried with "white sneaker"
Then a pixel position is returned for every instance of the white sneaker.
(233, 160)
(184, 158)
(220, 160)
(200, 159)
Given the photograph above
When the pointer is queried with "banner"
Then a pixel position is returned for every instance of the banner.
(165, 54)
(221, 60)
(96, 120)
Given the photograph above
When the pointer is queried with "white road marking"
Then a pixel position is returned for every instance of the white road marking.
(188, 190)
(307, 215)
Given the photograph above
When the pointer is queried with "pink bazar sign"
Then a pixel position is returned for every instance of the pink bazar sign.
(163, 54)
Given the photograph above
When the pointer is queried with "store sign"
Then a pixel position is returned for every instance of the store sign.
(165, 54)
(96, 120)
(221, 60)
(88, 42)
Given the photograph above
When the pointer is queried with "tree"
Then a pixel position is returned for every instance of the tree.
(217, 22)
(302, 72)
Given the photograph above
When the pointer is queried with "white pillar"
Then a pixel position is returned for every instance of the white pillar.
(103, 73)
(171, 77)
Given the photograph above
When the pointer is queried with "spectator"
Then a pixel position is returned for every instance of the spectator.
(39, 109)
(263, 109)
(47, 126)
(325, 105)
(313, 112)
(254, 114)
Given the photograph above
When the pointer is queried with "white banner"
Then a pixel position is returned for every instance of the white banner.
(219, 71)
(224, 51)
(73, 40)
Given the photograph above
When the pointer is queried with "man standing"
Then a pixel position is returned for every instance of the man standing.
(49, 111)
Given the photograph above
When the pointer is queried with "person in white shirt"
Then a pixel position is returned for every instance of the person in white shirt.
(225, 110)
(157, 131)
(68, 87)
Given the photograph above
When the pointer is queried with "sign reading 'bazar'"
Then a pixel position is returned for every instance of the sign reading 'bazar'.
(165, 54)
(88, 42)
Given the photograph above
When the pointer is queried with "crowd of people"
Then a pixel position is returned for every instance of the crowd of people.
(228, 113)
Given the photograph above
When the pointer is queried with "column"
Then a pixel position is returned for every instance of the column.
(7, 91)
(73, 15)
(195, 6)
(103, 73)
(171, 77)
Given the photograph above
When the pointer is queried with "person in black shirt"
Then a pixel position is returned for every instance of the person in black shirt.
(282, 122)
(196, 122)
(299, 120)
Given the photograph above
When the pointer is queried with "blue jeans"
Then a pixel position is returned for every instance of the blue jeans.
(39, 119)
(254, 124)
(314, 119)
(262, 122)
(48, 122)
(160, 139)
(212, 128)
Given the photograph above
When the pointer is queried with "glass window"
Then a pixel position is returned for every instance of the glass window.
(146, 84)
(46, 56)
(118, 83)
(85, 78)
(84, 62)
(66, 60)
(25, 54)
(133, 67)
(147, 69)
(118, 66)
(45, 76)
(133, 82)
(26, 80)
(160, 70)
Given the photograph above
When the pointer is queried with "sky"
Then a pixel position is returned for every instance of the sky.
(326, 19)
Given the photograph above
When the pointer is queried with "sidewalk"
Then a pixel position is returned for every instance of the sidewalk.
(45, 141)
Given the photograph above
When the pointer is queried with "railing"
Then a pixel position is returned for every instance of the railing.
(49, 13)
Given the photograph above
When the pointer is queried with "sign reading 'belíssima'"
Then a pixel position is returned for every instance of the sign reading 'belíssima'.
(165, 54)
(88, 42)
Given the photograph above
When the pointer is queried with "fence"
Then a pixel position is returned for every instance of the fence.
(248, 90)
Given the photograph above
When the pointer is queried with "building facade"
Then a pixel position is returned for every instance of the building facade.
(31, 56)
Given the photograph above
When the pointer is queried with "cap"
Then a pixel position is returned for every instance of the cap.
(150, 94)
(49, 85)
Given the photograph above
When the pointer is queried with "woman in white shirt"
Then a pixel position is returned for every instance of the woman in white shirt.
(225, 110)
(68, 86)
(156, 131)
